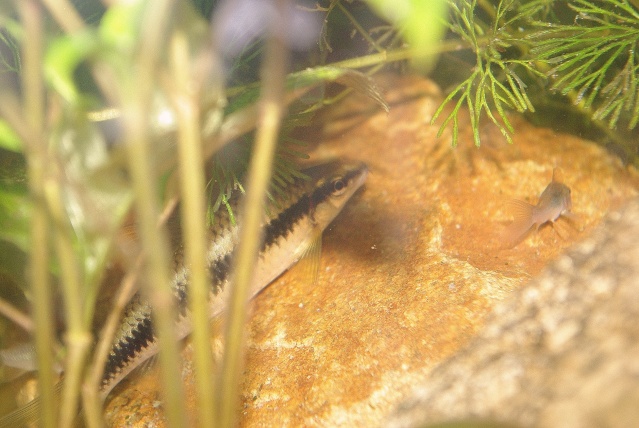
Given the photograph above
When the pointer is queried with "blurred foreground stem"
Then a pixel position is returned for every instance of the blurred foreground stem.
(65, 15)
(78, 337)
(194, 224)
(259, 174)
(33, 104)
(16, 316)
(144, 174)
(91, 400)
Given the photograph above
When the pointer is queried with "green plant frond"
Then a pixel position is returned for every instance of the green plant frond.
(620, 95)
(542, 10)
(230, 164)
(596, 11)
(285, 166)
(461, 24)
(295, 149)
(227, 170)
(506, 14)
(496, 81)
(594, 58)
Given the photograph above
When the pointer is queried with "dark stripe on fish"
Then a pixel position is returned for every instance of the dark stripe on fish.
(141, 335)
(219, 271)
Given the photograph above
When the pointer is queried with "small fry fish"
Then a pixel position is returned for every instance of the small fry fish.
(553, 202)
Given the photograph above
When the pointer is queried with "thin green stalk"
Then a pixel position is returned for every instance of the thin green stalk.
(33, 103)
(16, 316)
(42, 296)
(343, 94)
(91, 399)
(145, 177)
(12, 111)
(488, 7)
(579, 105)
(400, 54)
(194, 225)
(272, 110)
(155, 243)
(65, 15)
(242, 121)
(365, 34)
(78, 337)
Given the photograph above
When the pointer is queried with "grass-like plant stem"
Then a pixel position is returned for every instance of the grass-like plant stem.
(78, 337)
(144, 176)
(33, 105)
(65, 15)
(92, 404)
(191, 169)
(260, 169)
(16, 316)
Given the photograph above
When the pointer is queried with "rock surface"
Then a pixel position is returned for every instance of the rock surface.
(410, 269)
(563, 351)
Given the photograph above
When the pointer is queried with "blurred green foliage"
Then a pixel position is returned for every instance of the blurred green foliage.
(506, 55)
(491, 56)
(511, 53)
(519, 55)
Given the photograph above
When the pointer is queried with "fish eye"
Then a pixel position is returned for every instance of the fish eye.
(339, 186)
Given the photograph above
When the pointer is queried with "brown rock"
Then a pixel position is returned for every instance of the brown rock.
(413, 265)
(562, 351)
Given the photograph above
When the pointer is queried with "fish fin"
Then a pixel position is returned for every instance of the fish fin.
(146, 366)
(309, 262)
(566, 225)
(520, 210)
(28, 414)
(515, 232)
(571, 217)
(560, 229)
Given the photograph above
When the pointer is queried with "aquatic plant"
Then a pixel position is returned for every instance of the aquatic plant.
(134, 104)
(582, 50)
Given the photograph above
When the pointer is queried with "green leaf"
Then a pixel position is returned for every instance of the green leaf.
(63, 57)
(120, 25)
(421, 23)
(588, 58)
(15, 216)
(15, 204)
(9, 140)
(95, 194)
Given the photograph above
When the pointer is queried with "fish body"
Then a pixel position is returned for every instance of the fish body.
(553, 202)
(294, 222)
(18, 360)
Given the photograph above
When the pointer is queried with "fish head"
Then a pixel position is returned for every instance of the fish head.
(335, 184)
(554, 201)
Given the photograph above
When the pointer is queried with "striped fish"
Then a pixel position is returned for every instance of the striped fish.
(293, 223)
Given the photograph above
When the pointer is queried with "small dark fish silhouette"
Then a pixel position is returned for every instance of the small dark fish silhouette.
(554, 201)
